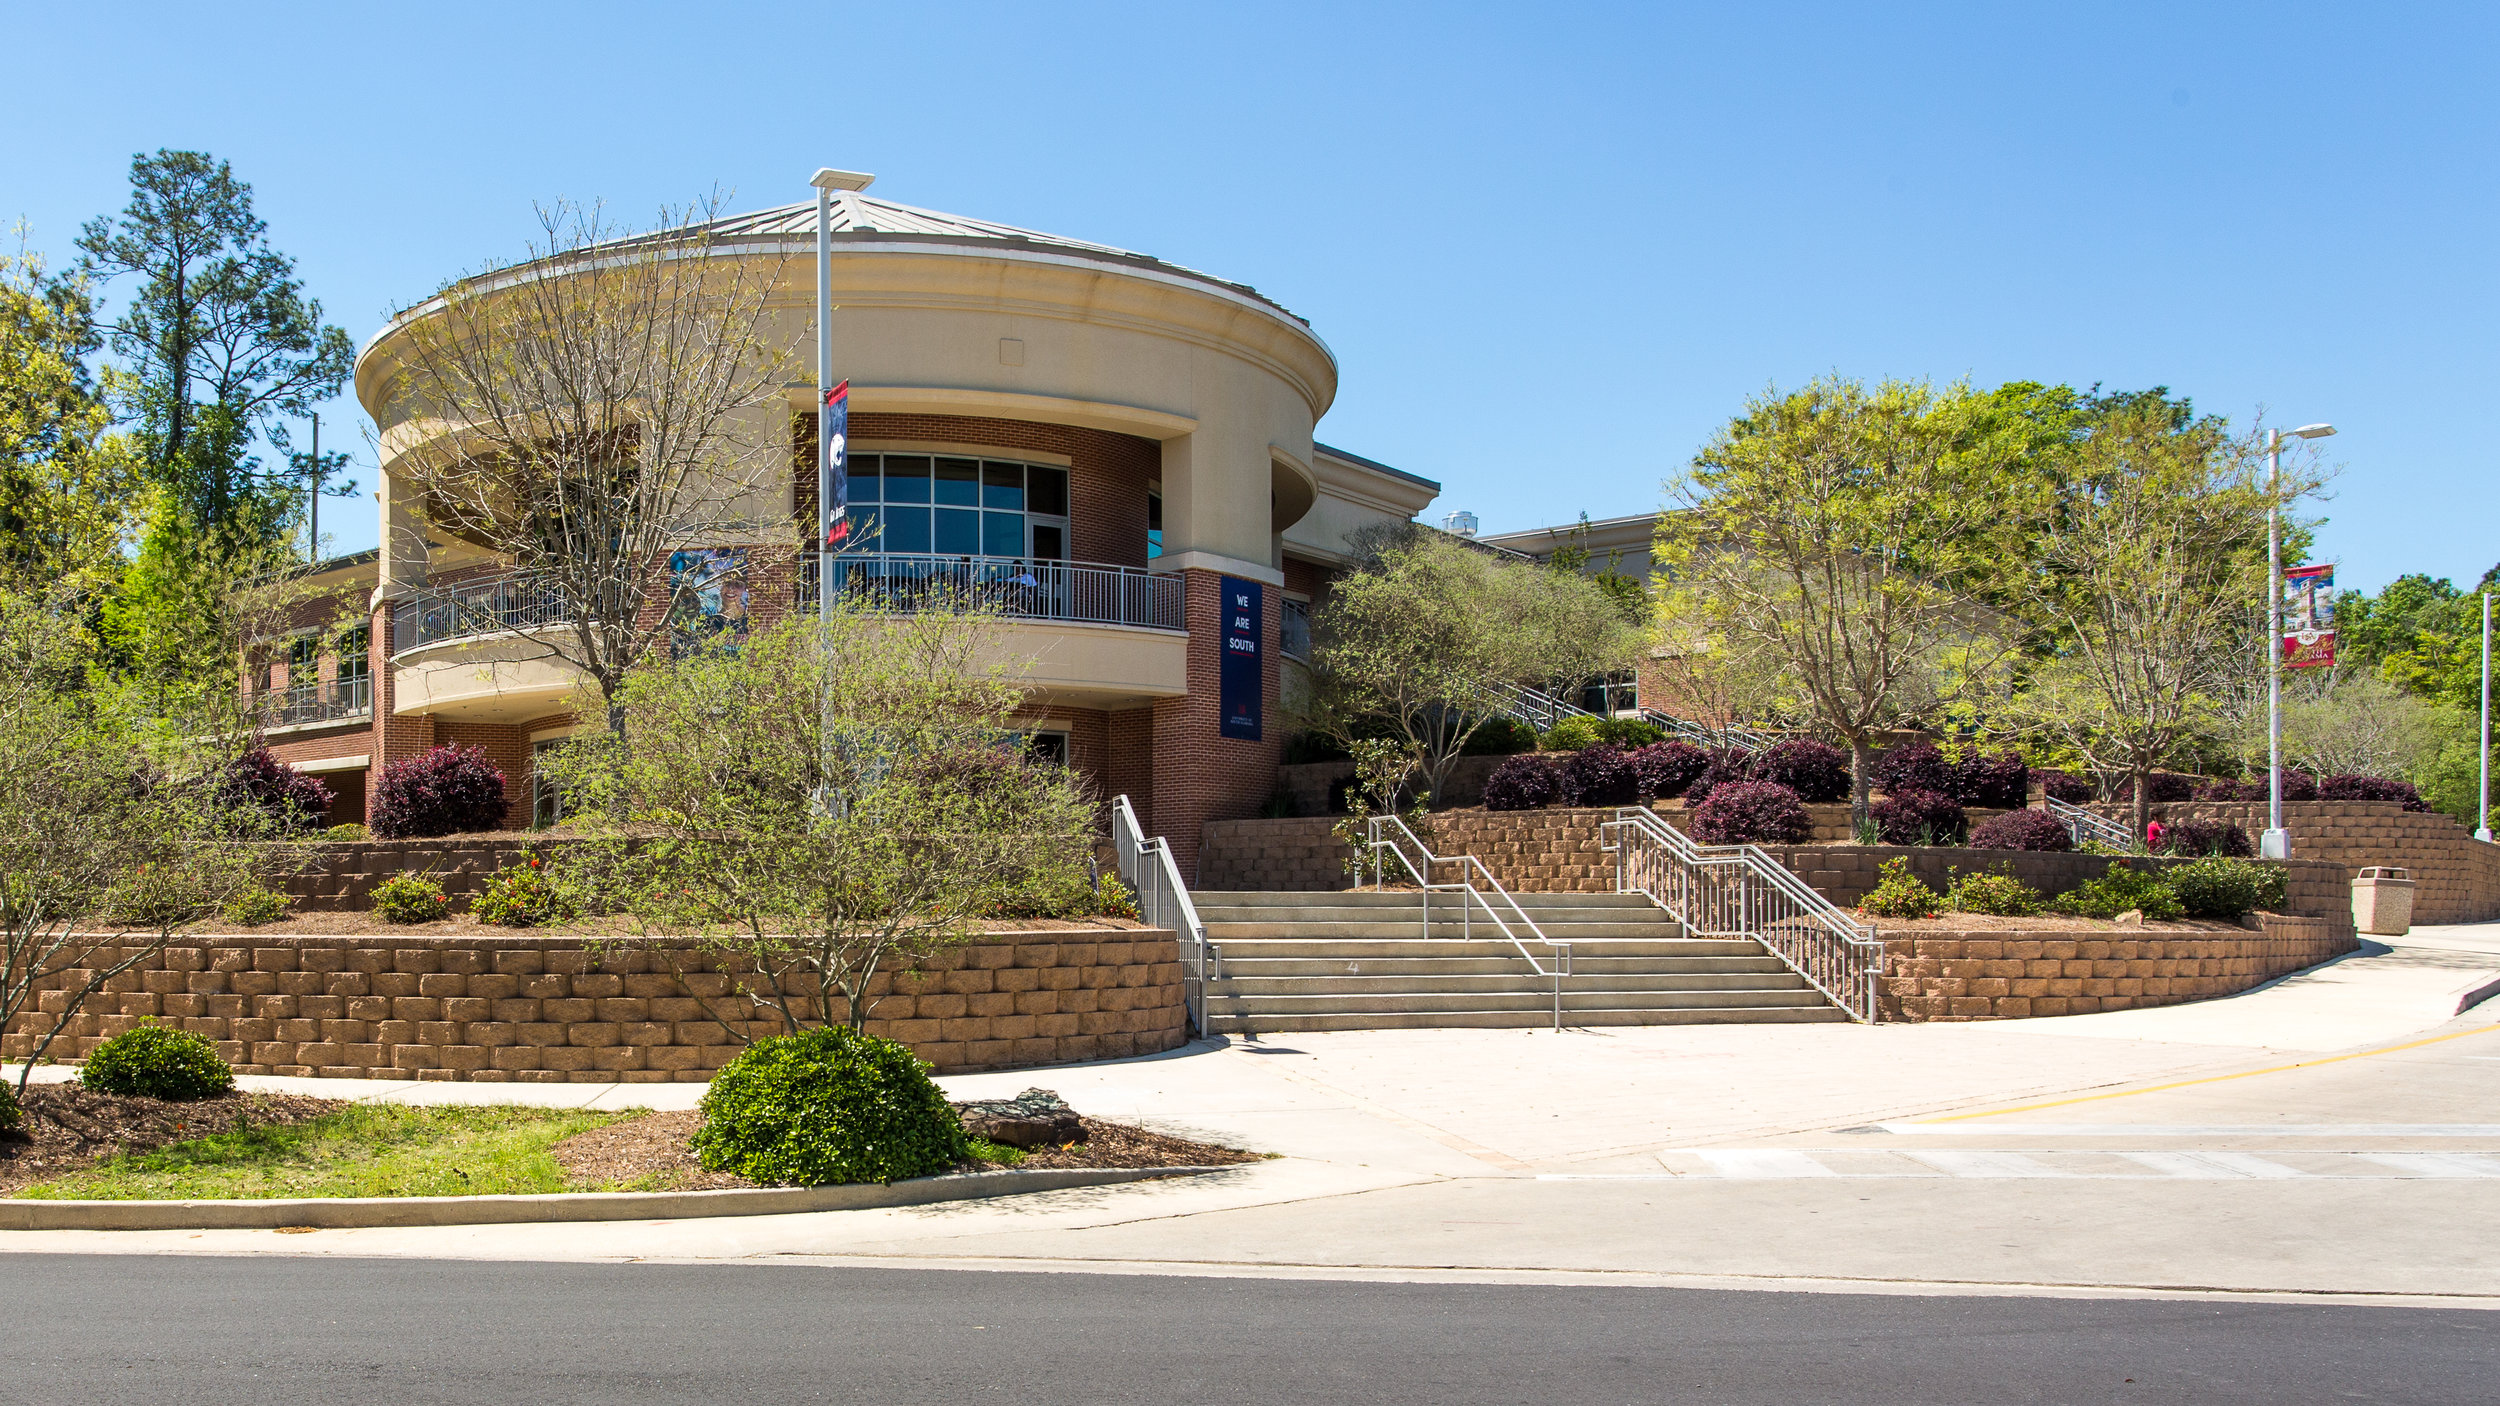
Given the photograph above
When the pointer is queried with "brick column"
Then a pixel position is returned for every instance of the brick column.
(1200, 774)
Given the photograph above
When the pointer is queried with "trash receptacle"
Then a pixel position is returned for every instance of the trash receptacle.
(2382, 901)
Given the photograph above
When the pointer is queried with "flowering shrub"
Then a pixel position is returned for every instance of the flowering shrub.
(1916, 767)
(1725, 769)
(519, 897)
(1525, 782)
(2062, 786)
(1751, 813)
(293, 802)
(411, 898)
(1899, 894)
(1999, 782)
(1817, 773)
(1919, 818)
(1997, 894)
(2022, 829)
(2371, 788)
(446, 791)
(1667, 768)
(2206, 837)
(1600, 776)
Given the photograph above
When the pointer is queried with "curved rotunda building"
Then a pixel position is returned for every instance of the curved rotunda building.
(1128, 440)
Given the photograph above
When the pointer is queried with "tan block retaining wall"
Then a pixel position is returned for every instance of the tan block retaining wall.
(2456, 877)
(1993, 975)
(550, 1010)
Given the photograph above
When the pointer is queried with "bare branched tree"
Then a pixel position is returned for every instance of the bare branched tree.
(604, 403)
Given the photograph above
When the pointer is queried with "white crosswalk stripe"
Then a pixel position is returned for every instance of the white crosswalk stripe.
(2211, 1166)
(1765, 1163)
(2100, 1164)
(2438, 1164)
(1960, 1163)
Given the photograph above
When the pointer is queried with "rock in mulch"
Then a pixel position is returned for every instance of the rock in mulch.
(1034, 1118)
(70, 1126)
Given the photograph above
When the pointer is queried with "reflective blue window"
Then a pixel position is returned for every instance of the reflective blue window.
(958, 532)
(906, 530)
(1002, 485)
(906, 478)
(1002, 534)
(959, 482)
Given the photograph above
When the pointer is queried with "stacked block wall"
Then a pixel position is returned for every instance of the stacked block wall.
(2456, 877)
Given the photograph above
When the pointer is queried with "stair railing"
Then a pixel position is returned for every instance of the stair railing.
(2091, 828)
(1733, 737)
(1741, 891)
(1537, 709)
(1163, 901)
(1388, 837)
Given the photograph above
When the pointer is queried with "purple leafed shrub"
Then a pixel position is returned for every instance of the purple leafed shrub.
(293, 802)
(1919, 818)
(1817, 773)
(1725, 769)
(2198, 838)
(2062, 786)
(1600, 776)
(2298, 785)
(1667, 768)
(1525, 782)
(1751, 813)
(2022, 829)
(2162, 787)
(2370, 788)
(2000, 782)
(447, 791)
(1916, 767)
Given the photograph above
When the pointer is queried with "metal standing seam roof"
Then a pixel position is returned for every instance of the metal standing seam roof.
(857, 214)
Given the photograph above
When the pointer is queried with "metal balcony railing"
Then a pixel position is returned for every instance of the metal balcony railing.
(483, 607)
(1028, 589)
(335, 701)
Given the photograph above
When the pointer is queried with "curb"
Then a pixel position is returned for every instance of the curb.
(343, 1213)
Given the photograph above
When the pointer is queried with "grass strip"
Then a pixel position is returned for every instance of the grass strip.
(380, 1149)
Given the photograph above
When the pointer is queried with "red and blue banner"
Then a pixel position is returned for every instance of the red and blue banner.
(1241, 676)
(2309, 617)
(833, 464)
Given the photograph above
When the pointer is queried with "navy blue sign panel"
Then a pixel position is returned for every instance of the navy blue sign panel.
(1245, 609)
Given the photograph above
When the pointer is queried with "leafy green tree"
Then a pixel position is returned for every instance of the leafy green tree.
(64, 482)
(2423, 634)
(219, 340)
(1846, 536)
(818, 804)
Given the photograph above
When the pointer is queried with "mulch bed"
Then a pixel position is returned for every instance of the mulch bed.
(2051, 923)
(653, 1152)
(69, 1127)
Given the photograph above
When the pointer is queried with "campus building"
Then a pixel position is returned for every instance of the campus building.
(1129, 440)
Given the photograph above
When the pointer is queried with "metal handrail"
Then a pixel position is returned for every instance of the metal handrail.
(1023, 587)
(337, 700)
(2087, 827)
(1733, 737)
(486, 606)
(1741, 891)
(1376, 841)
(1163, 901)
(1537, 709)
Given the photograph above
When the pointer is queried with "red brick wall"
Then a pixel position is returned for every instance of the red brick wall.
(508, 748)
(393, 736)
(1200, 774)
(1130, 771)
(1107, 472)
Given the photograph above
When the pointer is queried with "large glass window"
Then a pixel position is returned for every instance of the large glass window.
(916, 504)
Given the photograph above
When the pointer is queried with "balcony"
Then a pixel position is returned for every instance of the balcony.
(1019, 588)
(315, 704)
(492, 606)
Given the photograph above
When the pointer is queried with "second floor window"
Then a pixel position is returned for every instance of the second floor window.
(944, 505)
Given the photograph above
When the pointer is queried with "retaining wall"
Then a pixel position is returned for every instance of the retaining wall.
(553, 1010)
(2456, 877)
(1993, 975)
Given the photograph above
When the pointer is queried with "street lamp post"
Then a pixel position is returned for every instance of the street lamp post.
(2482, 790)
(2277, 842)
(827, 181)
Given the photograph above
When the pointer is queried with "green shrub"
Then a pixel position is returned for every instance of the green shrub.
(1997, 894)
(1900, 894)
(825, 1107)
(11, 1116)
(2122, 888)
(1629, 733)
(2218, 887)
(155, 1061)
(1500, 737)
(347, 832)
(518, 897)
(1572, 734)
(411, 898)
(256, 907)
(1112, 899)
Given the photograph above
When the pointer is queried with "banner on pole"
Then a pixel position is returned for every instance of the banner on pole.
(833, 468)
(1241, 674)
(2308, 617)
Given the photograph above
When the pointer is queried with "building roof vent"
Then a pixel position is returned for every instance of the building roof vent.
(1460, 524)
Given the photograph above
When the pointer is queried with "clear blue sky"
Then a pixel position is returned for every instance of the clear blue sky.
(1553, 246)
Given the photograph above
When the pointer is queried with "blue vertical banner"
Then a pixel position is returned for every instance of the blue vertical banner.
(833, 465)
(1243, 680)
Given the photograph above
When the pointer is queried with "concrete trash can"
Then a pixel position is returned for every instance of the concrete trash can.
(2382, 901)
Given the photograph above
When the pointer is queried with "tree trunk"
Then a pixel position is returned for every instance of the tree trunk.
(2143, 801)
(1861, 782)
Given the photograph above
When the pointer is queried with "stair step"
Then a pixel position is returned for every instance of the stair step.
(1396, 1002)
(1324, 928)
(1253, 898)
(1520, 1020)
(1235, 964)
(1355, 990)
(1363, 948)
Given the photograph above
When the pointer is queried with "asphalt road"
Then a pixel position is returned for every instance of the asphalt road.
(277, 1331)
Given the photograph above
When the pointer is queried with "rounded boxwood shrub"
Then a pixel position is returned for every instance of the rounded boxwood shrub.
(411, 898)
(826, 1107)
(1495, 737)
(445, 791)
(1572, 734)
(2202, 837)
(156, 1061)
(2219, 887)
(1667, 769)
(2062, 786)
(1751, 813)
(1600, 776)
(1819, 774)
(256, 907)
(2371, 788)
(2022, 829)
(1629, 733)
(1525, 782)
(1919, 818)
(2001, 782)
(290, 802)
(1915, 767)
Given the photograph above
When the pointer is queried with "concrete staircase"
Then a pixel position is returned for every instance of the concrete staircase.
(1361, 961)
